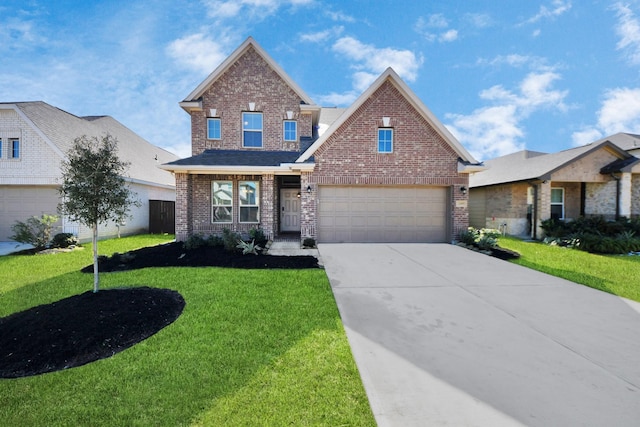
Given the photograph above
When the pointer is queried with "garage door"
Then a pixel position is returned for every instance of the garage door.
(382, 214)
(19, 203)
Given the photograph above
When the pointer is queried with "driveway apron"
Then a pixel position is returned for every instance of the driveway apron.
(446, 336)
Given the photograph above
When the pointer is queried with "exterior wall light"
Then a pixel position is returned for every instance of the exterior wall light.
(463, 189)
(309, 189)
(298, 194)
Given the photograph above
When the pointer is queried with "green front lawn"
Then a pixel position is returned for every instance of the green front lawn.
(252, 347)
(616, 274)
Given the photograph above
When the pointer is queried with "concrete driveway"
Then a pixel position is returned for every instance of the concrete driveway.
(446, 336)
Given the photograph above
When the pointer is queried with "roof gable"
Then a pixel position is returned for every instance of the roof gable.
(391, 76)
(196, 94)
(59, 129)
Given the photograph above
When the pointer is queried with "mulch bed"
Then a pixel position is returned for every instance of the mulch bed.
(83, 328)
(174, 255)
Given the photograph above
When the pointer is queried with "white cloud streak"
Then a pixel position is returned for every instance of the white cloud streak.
(370, 61)
(255, 9)
(628, 29)
(620, 112)
(435, 27)
(497, 129)
(558, 7)
(197, 52)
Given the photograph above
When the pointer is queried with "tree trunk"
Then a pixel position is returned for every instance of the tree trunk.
(96, 276)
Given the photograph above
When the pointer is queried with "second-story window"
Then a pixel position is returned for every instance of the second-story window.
(252, 130)
(14, 147)
(0, 148)
(290, 130)
(214, 129)
(385, 140)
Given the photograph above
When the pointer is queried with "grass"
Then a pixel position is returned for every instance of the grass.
(252, 348)
(616, 274)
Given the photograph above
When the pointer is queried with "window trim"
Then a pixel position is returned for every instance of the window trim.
(561, 204)
(13, 142)
(1, 148)
(380, 130)
(212, 120)
(214, 206)
(295, 130)
(256, 205)
(260, 131)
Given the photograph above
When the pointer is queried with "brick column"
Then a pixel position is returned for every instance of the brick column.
(625, 195)
(460, 210)
(267, 210)
(543, 206)
(184, 225)
(308, 207)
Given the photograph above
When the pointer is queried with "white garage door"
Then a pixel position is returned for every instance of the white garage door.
(382, 214)
(19, 203)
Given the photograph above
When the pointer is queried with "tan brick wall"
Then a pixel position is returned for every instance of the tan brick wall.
(601, 199)
(635, 196)
(249, 79)
(420, 156)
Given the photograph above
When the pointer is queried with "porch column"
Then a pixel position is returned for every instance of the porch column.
(267, 211)
(308, 208)
(625, 195)
(184, 225)
(544, 206)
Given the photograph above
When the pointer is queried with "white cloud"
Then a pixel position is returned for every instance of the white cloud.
(558, 7)
(340, 16)
(224, 9)
(479, 20)
(497, 130)
(620, 112)
(434, 28)
(338, 99)
(322, 36)
(372, 60)
(628, 29)
(197, 52)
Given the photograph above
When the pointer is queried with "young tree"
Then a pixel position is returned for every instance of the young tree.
(93, 188)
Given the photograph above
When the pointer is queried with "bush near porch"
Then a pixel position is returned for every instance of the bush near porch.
(594, 234)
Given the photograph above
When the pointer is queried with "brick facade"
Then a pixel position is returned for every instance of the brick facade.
(249, 80)
(420, 156)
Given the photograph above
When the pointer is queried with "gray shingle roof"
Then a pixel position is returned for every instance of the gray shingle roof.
(528, 165)
(61, 128)
(239, 158)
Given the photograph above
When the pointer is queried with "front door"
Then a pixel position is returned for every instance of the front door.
(289, 209)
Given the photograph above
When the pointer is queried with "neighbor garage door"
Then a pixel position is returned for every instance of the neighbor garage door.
(382, 214)
(20, 202)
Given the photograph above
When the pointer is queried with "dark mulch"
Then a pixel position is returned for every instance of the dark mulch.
(83, 328)
(174, 255)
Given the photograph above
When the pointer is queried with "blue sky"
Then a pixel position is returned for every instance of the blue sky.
(501, 75)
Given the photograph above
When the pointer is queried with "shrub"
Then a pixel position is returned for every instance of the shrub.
(257, 234)
(215, 240)
(64, 240)
(194, 241)
(248, 247)
(35, 231)
(309, 242)
(230, 240)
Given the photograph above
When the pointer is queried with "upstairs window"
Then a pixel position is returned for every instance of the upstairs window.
(249, 201)
(14, 147)
(0, 148)
(385, 140)
(214, 129)
(222, 201)
(290, 130)
(252, 130)
(557, 203)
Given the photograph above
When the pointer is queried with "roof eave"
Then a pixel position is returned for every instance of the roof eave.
(282, 169)
(190, 106)
(464, 167)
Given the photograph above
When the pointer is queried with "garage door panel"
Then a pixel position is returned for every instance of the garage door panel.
(382, 214)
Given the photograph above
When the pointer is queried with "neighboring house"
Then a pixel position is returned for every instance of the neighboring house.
(264, 155)
(518, 191)
(34, 139)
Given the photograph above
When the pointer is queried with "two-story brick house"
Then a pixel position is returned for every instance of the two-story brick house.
(384, 170)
